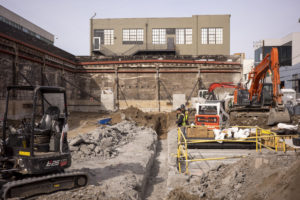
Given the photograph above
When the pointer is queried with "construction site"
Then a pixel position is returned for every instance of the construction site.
(160, 109)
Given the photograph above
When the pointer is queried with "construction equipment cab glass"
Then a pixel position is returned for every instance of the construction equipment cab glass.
(38, 142)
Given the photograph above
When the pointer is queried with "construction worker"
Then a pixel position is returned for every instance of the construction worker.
(186, 115)
(182, 118)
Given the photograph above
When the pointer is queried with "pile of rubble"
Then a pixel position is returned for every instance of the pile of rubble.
(255, 177)
(103, 142)
(117, 159)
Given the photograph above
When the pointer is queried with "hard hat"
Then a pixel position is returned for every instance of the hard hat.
(182, 106)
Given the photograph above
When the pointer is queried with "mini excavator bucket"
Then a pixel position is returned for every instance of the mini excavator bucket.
(278, 116)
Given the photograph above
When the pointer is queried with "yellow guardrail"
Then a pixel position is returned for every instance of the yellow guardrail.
(260, 134)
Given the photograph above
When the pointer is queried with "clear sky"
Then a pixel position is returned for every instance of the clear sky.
(251, 20)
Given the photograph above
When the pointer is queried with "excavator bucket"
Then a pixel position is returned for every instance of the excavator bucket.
(276, 117)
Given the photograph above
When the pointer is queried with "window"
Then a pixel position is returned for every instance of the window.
(212, 35)
(97, 43)
(133, 36)
(204, 36)
(108, 37)
(188, 36)
(158, 36)
(219, 36)
(295, 83)
(184, 36)
(179, 36)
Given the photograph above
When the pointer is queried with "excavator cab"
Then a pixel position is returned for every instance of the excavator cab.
(267, 94)
(39, 143)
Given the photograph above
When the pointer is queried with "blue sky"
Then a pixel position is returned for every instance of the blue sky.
(251, 20)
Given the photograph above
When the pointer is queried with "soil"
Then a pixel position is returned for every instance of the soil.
(83, 122)
(269, 176)
(160, 122)
(243, 119)
(80, 123)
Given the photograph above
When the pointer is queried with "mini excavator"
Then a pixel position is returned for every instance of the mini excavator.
(34, 155)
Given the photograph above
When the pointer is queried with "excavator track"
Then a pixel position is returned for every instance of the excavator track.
(29, 187)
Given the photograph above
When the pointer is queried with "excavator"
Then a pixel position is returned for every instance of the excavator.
(35, 153)
(263, 97)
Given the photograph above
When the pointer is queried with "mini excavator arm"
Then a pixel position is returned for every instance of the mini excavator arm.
(213, 86)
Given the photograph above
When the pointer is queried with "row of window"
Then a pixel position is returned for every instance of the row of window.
(183, 36)
(25, 30)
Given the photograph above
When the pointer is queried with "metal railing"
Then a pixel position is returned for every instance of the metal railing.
(258, 139)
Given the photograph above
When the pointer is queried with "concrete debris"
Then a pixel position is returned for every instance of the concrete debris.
(103, 141)
(117, 159)
(254, 177)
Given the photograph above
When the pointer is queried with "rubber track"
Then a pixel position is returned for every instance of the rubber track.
(6, 187)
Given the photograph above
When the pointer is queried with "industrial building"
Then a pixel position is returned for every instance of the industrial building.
(196, 35)
(289, 58)
(25, 26)
(111, 82)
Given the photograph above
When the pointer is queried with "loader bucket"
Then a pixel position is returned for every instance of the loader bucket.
(276, 117)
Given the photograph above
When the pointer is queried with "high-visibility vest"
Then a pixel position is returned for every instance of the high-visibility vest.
(185, 118)
(178, 117)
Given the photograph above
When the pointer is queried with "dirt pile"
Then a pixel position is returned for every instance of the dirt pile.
(255, 177)
(240, 119)
(160, 122)
(103, 141)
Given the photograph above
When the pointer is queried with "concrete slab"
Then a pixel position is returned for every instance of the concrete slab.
(178, 99)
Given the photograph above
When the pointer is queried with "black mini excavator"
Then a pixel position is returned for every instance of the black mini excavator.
(35, 152)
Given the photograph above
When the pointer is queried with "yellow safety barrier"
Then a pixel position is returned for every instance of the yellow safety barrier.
(260, 136)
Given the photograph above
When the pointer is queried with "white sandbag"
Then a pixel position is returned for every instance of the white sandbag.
(242, 133)
(287, 126)
(253, 130)
(229, 133)
(219, 135)
(234, 129)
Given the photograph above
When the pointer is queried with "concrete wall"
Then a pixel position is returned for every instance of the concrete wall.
(195, 22)
(78, 99)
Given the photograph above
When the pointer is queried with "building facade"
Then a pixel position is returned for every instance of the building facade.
(22, 24)
(289, 58)
(196, 35)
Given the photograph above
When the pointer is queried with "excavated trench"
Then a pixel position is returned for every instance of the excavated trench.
(156, 185)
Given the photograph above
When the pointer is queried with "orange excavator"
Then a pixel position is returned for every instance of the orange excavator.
(261, 96)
